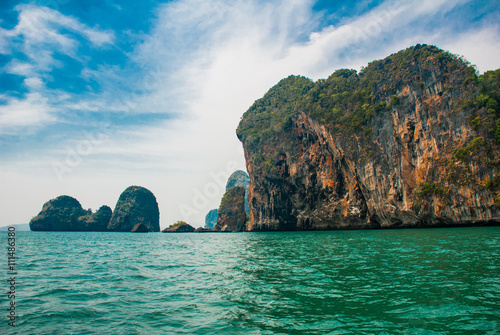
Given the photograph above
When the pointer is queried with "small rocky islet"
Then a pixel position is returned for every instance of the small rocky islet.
(412, 140)
(179, 227)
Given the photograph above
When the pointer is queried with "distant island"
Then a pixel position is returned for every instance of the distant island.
(135, 210)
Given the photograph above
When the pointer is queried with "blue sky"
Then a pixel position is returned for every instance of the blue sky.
(99, 95)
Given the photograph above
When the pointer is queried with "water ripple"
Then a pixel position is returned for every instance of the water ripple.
(347, 282)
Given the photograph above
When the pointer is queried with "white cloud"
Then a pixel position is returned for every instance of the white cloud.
(42, 25)
(34, 110)
(20, 68)
(4, 42)
(33, 83)
(40, 33)
(480, 47)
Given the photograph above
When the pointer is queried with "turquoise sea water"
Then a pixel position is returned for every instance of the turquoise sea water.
(427, 281)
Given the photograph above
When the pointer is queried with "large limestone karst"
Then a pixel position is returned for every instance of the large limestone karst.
(237, 178)
(240, 178)
(231, 215)
(135, 205)
(65, 213)
(410, 141)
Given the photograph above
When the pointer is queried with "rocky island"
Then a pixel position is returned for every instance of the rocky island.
(135, 205)
(65, 213)
(179, 227)
(136, 210)
(240, 178)
(410, 141)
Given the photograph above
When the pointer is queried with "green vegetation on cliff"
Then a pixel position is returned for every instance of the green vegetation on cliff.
(406, 133)
(135, 205)
(179, 227)
(349, 100)
(351, 103)
(269, 115)
(231, 214)
(59, 214)
(178, 224)
(65, 213)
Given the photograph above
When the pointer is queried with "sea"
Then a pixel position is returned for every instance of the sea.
(411, 281)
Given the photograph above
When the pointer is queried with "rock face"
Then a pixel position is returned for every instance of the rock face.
(65, 213)
(211, 219)
(411, 141)
(231, 216)
(135, 205)
(97, 221)
(237, 178)
(240, 178)
(140, 228)
(59, 214)
(179, 227)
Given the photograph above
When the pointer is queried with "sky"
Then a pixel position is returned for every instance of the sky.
(98, 95)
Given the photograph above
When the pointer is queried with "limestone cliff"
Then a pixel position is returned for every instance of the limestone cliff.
(135, 205)
(231, 215)
(410, 141)
(237, 178)
(240, 178)
(59, 214)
